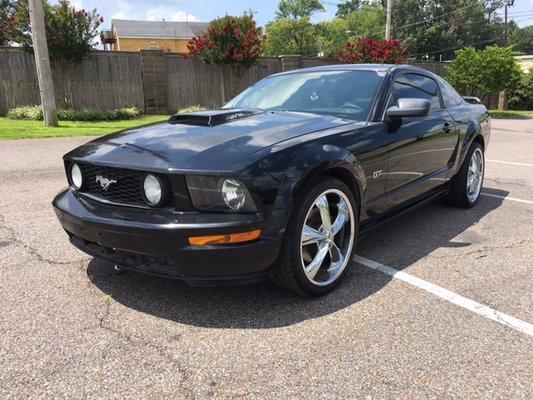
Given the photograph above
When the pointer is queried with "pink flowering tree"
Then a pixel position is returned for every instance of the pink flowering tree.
(70, 32)
(368, 50)
(232, 45)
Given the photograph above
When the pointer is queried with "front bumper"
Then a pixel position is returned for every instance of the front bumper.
(156, 241)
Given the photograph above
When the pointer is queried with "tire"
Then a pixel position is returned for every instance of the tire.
(299, 268)
(460, 193)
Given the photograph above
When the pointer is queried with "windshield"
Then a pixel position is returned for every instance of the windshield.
(345, 94)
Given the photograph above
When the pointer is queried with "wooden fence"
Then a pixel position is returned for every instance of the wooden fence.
(104, 81)
(152, 80)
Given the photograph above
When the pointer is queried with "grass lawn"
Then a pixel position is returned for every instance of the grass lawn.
(511, 114)
(25, 129)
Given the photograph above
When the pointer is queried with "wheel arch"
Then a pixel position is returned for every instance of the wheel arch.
(478, 138)
(317, 162)
(340, 171)
(473, 134)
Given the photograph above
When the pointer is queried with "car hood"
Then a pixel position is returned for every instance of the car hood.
(196, 146)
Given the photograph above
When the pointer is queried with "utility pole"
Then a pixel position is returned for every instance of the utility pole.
(389, 17)
(508, 3)
(502, 97)
(42, 62)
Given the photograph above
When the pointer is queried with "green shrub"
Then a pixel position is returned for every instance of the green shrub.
(521, 97)
(30, 112)
(128, 112)
(66, 114)
(190, 109)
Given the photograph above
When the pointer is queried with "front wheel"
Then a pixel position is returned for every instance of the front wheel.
(466, 185)
(319, 240)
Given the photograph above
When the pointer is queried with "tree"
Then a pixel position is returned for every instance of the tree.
(69, 32)
(7, 8)
(348, 7)
(232, 45)
(368, 21)
(295, 9)
(292, 32)
(435, 28)
(291, 36)
(368, 50)
(521, 97)
(482, 72)
(522, 39)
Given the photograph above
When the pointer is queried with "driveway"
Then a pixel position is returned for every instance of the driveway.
(437, 306)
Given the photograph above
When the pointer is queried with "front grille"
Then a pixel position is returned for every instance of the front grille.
(126, 189)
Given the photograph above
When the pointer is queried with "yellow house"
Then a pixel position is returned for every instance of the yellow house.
(130, 35)
(525, 62)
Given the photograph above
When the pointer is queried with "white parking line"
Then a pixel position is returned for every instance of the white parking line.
(450, 296)
(510, 163)
(497, 196)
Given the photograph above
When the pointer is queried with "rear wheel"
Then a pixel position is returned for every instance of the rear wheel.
(319, 240)
(467, 184)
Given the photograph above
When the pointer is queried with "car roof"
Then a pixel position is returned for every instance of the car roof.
(361, 67)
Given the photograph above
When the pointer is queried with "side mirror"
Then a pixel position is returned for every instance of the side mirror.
(472, 99)
(409, 108)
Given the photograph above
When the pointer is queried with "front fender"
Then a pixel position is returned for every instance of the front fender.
(313, 161)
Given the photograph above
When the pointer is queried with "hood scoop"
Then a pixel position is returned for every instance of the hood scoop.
(212, 118)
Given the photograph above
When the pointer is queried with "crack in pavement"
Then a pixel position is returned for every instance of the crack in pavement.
(503, 182)
(14, 240)
(136, 340)
(512, 245)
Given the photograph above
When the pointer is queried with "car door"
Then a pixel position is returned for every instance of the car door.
(422, 147)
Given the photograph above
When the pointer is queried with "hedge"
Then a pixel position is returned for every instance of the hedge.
(65, 114)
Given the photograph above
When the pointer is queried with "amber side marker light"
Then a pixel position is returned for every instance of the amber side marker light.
(225, 239)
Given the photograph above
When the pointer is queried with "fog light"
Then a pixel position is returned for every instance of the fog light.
(76, 177)
(153, 190)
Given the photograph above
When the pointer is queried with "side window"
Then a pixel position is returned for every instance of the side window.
(449, 95)
(415, 86)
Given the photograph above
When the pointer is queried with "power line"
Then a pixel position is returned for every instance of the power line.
(520, 12)
(435, 17)
(458, 47)
(426, 20)
(522, 20)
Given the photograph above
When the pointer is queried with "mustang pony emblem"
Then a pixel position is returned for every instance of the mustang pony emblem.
(104, 182)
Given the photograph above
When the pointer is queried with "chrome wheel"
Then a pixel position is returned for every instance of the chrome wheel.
(474, 178)
(327, 237)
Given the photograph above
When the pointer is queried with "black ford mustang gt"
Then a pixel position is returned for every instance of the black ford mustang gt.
(280, 181)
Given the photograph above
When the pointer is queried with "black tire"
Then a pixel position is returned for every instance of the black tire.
(458, 195)
(288, 270)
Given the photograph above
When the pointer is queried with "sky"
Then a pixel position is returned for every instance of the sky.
(206, 10)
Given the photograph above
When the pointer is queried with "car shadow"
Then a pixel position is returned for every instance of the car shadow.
(263, 305)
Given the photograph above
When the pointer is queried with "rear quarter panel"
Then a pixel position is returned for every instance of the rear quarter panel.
(472, 120)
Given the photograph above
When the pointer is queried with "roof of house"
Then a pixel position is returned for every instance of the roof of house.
(158, 29)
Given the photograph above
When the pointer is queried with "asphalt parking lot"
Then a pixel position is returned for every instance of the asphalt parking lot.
(73, 327)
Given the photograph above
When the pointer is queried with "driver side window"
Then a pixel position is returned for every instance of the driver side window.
(415, 86)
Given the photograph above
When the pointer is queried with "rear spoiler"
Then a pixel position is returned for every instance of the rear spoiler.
(472, 99)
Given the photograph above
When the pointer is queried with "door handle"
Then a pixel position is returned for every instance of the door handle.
(448, 127)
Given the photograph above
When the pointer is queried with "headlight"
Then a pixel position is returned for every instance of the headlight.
(76, 177)
(211, 193)
(233, 193)
(153, 190)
